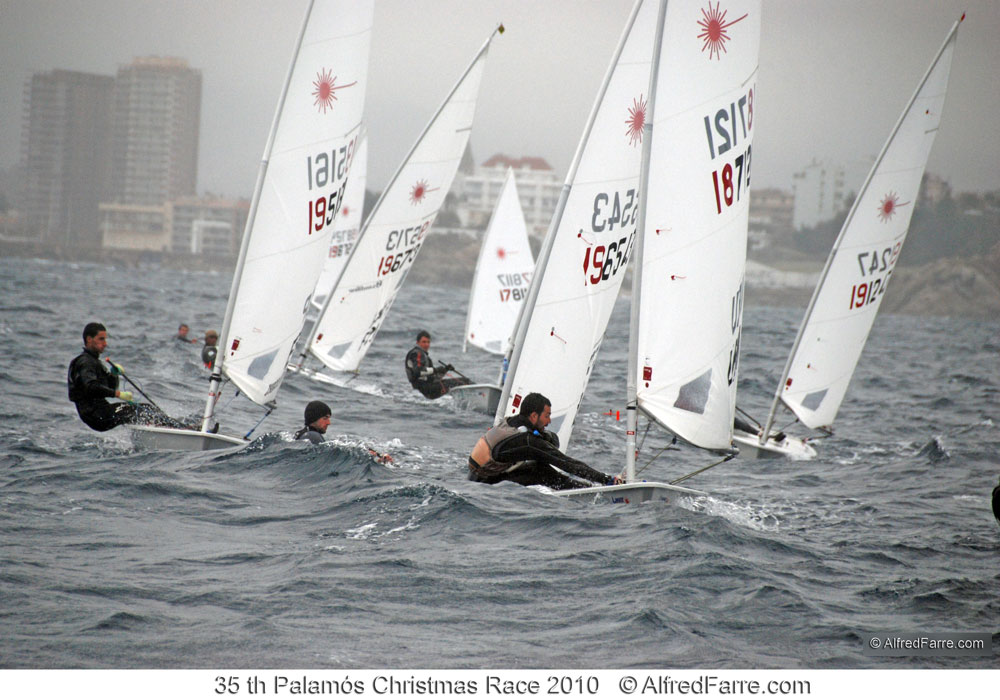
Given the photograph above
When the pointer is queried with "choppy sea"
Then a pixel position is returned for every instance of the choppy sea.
(285, 555)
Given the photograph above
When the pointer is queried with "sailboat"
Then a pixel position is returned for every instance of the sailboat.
(300, 185)
(681, 85)
(499, 287)
(393, 233)
(857, 271)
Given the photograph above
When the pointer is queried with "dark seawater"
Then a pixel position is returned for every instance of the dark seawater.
(288, 555)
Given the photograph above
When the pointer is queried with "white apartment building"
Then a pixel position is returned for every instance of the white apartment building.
(822, 188)
(537, 184)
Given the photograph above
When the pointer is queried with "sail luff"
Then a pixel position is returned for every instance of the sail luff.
(818, 290)
(631, 382)
(216, 378)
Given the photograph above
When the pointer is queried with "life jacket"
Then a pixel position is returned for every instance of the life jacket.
(493, 437)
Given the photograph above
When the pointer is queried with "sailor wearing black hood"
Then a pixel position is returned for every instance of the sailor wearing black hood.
(317, 417)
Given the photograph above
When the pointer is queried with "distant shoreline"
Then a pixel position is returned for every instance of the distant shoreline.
(946, 287)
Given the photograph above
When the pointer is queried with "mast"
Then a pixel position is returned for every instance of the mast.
(216, 378)
(388, 187)
(840, 236)
(524, 317)
(631, 387)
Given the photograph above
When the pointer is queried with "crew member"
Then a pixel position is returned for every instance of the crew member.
(91, 384)
(424, 376)
(519, 449)
(182, 334)
(210, 349)
(317, 419)
(317, 416)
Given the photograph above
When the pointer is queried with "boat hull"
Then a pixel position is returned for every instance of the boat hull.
(148, 437)
(638, 492)
(482, 398)
(345, 380)
(790, 447)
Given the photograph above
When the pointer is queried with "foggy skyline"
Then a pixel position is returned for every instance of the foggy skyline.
(834, 75)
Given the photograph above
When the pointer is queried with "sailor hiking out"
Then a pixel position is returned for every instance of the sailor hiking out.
(521, 450)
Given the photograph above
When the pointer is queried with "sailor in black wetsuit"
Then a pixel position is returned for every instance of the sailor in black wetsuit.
(317, 415)
(424, 377)
(519, 449)
(91, 384)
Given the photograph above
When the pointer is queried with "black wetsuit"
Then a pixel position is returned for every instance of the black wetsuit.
(90, 386)
(311, 434)
(427, 379)
(525, 458)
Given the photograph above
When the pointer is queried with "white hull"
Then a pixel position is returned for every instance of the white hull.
(638, 492)
(346, 380)
(482, 398)
(150, 437)
(790, 447)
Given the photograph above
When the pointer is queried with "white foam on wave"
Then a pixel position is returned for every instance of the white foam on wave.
(748, 515)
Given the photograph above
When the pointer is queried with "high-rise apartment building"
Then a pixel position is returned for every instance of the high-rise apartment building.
(157, 109)
(66, 156)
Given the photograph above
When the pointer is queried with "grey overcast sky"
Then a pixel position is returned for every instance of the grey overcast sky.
(834, 74)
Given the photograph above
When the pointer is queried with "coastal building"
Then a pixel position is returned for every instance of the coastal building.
(65, 156)
(208, 226)
(157, 109)
(823, 188)
(134, 227)
(771, 211)
(538, 187)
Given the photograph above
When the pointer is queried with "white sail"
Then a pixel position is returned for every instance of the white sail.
(395, 230)
(300, 187)
(348, 221)
(690, 300)
(503, 273)
(583, 260)
(857, 272)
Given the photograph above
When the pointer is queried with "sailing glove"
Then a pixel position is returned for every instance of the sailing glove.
(125, 396)
(116, 368)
